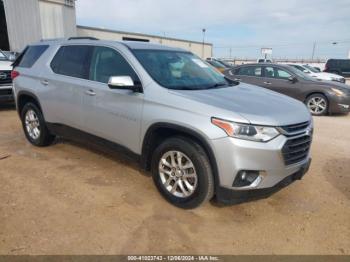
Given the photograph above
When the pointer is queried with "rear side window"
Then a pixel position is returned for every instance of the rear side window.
(30, 56)
(72, 61)
(250, 71)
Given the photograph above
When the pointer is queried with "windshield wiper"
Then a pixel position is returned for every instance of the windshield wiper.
(218, 85)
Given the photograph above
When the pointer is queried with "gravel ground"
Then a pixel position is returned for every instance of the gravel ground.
(72, 199)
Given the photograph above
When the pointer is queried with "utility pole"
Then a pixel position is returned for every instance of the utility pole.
(203, 31)
(230, 52)
(313, 51)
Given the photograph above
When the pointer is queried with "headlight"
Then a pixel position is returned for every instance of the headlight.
(247, 132)
(338, 92)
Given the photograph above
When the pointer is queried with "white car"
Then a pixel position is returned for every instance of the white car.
(319, 75)
(5, 78)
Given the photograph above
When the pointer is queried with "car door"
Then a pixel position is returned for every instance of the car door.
(66, 85)
(280, 80)
(113, 114)
(249, 74)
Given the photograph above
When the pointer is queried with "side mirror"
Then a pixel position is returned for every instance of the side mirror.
(123, 82)
(306, 71)
(293, 79)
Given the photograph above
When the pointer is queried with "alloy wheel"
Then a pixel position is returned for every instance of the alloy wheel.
(178, 174)
(32, 124)
(317, 105)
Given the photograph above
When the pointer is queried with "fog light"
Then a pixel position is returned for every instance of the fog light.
(344, 106)
(245, 178)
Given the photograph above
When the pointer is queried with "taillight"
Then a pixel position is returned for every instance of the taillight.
(325, 68)
(14, 74)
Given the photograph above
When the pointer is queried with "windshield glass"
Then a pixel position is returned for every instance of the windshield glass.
(2, 56)
(216, 64)
(313, 70)
(179, 70)
(300, 73)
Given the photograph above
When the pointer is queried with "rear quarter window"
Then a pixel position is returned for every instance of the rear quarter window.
(72, 61)
(31, 55)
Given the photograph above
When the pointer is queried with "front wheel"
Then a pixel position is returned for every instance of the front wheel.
(317, 104)
(34, 126)
(182, 172)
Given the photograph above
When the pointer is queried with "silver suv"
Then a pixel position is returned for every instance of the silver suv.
(201, 135)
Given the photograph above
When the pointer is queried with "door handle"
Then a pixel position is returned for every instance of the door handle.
(90, 92)
(44, 82)
(267, 83)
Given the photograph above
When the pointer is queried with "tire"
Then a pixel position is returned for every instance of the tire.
(32, 118)
(196, 180)
(317, 104)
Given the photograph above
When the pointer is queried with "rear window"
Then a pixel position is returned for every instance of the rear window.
(30, 55)
(249, 71)
(72, 61)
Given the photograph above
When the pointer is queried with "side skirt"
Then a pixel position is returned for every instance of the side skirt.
(92, 140)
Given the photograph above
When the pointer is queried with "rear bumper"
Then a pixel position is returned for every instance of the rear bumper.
(227, 196)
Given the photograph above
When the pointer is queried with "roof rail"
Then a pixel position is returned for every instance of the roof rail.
(82, 37)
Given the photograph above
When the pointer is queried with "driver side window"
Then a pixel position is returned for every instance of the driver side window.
(106, 62)
(274, 72)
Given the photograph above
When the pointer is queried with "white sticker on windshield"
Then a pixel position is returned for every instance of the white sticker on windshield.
(199, 62)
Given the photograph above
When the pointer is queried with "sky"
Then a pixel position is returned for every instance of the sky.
(236, 28)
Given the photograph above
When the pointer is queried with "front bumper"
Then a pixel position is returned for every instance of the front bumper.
(235, 155)
(339, 104)
(227, 196)
(6, 93)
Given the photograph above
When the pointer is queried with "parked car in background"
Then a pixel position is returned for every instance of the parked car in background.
(217, 65)
(199, 133)
(338, 66)
(10, 55)
(263, 60)
(5, 78)
(321, 97)
(226, 64)
(316, 74)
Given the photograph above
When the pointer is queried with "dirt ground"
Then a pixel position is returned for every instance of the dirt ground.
(71, 199)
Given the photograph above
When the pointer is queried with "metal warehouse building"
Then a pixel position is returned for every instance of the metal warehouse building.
(26, 21)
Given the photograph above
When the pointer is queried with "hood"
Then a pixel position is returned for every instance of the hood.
(256, 104)
(323, 75)
(6, 65)
(329, 84)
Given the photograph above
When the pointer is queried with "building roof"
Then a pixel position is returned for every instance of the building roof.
(139, 34)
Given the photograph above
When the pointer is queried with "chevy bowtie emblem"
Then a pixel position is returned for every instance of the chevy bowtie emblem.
(3, 75)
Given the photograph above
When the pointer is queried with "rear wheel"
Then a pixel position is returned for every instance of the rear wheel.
(317, 104)
(182, 172)
(34, 126)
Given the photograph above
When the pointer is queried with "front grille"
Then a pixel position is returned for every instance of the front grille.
(296, 128)
(5, 77)
(296, 149)
(5, 92)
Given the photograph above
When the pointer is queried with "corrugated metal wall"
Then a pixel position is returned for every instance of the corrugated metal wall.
(30, 21)
(23, 22)
(57, 20)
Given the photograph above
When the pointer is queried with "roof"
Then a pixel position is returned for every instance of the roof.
(264, 64)
(130, 44)
(146, 45)
(139, 34)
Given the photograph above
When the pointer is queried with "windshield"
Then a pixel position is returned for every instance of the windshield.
(2, 56)
(300, 73)
(313, 70)
(179, 70)
(216, 64)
